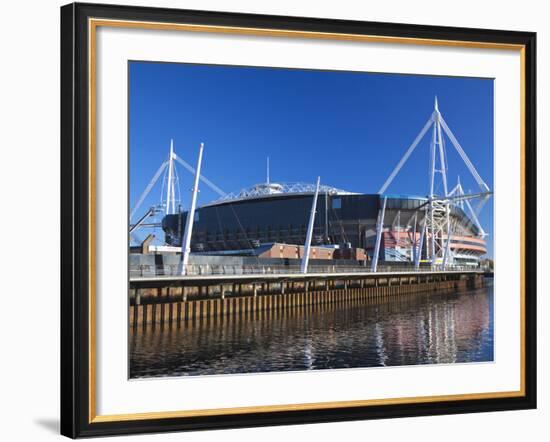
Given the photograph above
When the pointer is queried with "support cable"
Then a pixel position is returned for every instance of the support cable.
(148, 189)
(407, 155)
(463, 155)
(476, 219)
(202, 177)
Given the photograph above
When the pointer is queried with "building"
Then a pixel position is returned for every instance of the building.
(279, 213)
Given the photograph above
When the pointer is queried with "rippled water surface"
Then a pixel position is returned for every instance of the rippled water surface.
(403, 330)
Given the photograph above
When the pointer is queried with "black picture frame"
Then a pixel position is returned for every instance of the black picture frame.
(76, 403)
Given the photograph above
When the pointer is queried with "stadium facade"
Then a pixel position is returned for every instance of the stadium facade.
(279, 213)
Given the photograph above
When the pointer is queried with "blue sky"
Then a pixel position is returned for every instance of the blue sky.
(350, 128)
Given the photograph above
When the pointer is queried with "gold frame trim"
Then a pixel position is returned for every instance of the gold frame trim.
(93, 24)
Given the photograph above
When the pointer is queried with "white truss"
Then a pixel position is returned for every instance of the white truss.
(270, 189)
(438, 227)
(170, 192)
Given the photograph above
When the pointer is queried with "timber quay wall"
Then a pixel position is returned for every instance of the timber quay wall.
(174, 303)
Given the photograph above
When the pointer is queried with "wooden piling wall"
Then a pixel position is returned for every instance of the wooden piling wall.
(168, 308)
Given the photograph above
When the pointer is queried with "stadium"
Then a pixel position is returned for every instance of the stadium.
(276, 213)
(436, 229)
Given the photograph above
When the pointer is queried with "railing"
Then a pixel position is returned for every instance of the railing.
(209, 269)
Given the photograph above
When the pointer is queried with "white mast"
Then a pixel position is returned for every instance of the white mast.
(379, 229)
(267, 178)
(307, 247)
(437, 230)
(432, 180)
(170, 193)
(186, 244)
(442, 160)
(441, 226)
(420, 244)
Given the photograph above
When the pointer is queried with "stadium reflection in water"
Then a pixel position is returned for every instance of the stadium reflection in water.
(403, 330)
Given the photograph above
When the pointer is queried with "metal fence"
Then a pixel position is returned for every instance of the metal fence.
(213, 269)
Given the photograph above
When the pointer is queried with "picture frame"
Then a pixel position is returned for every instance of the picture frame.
(80, 175)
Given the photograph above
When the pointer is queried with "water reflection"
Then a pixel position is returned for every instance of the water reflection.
(404, 330)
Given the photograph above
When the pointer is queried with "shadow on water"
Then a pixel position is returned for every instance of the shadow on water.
(402, 330)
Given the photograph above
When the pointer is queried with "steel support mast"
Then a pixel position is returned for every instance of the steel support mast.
(168, 198)
(379, 229)
(307, 246)
(186, 243)
(170, 185)
(437, 228)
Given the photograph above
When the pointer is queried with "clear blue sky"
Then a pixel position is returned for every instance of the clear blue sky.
(350, 128)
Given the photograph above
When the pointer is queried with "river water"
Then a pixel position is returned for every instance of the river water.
(403, 330)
